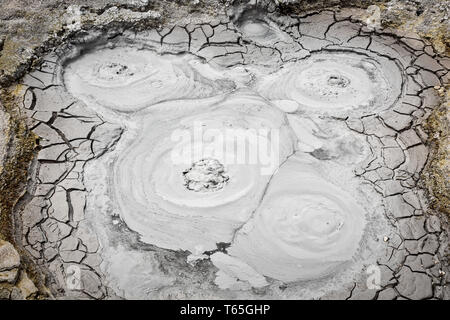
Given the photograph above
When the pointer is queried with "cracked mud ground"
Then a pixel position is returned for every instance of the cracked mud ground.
(70, 221)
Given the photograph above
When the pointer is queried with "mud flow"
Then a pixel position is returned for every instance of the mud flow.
(257, 156)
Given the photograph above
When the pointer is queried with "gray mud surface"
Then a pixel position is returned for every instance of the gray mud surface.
(105, 216)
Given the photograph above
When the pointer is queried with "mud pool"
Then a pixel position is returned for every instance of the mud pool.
(125, 196)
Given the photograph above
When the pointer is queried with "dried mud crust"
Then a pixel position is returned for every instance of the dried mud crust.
(20, 278)
(28, 31)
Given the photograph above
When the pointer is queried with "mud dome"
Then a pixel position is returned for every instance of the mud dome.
(127, 79)
(133, 190)
(305, 227)
(149, 185)
(336, 81)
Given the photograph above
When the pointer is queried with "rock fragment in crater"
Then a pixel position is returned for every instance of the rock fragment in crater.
(205, 175)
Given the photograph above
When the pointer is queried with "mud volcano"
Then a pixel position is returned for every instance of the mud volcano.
(142, 190)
